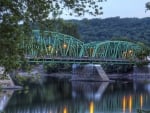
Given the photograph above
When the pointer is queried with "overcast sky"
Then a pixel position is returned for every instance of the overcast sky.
(122, 8)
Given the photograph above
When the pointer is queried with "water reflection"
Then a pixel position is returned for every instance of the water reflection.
(92, 107)
(130, 103)
(124, 104)
(65, 110)
(5, 95)
(80, 97)
(141, 101)
(89, 90)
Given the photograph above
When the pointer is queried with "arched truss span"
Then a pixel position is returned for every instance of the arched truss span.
(110, 49)
(53, 44)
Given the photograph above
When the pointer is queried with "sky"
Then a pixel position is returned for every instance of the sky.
(122, 8)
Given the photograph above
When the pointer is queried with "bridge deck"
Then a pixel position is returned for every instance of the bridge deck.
(79, 60)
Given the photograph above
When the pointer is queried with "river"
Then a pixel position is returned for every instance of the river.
(63, 96)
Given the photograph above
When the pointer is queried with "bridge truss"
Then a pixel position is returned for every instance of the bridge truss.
(56, 46)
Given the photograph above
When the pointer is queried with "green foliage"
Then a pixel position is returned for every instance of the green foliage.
(20, 79)
(144, 52)
(147, 5)
(25, 66)
(116, 68)
(122, 39)
(59, 25)
(26, 80)
(53, 67)
(114, 28)
(16, 16)
(4, 77)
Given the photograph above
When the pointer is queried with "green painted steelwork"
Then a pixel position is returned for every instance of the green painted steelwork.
(79, 60)
(110, 49)
(52, 44)
(47, 44)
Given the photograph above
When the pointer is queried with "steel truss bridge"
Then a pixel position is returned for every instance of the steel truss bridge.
(47, 46)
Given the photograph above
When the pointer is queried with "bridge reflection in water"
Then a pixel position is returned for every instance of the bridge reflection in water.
(89, 90)
(82, 97)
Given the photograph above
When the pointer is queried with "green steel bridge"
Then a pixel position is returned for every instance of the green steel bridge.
(47, 46)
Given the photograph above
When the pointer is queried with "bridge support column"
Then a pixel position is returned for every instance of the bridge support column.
(88, 72)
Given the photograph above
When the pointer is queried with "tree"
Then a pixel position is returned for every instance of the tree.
(144, 52)
(59, 25)
(16, 16)
(147, 5)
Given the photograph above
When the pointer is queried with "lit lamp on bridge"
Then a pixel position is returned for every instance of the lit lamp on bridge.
(64, 46)
(128, 54)
(130, 51)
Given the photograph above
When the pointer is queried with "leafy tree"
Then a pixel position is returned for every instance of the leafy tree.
(147, 5)
(16, 16)
(144, 52)
(133, 29)
(59, 25)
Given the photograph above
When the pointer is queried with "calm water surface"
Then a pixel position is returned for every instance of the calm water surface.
(81, 97)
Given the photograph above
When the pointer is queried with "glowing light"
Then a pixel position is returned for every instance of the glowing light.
(91, 107)
(124, 104)
(65, 110)
(130, 51)
(141, 101)
(130, 104)
(65, 46)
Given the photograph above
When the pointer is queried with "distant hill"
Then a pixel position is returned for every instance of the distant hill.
(114, 28)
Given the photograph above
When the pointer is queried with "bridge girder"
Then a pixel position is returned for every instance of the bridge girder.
(53, 44)
(110, 49)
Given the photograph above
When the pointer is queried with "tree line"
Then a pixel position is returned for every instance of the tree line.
(114, 28)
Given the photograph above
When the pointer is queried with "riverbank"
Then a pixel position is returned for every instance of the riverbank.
(8, 83)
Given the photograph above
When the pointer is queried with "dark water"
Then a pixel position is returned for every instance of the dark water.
(81, 97)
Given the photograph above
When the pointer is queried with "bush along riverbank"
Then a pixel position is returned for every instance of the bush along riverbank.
(23, 80)
(55, 68)
(117, 68)
(31, 76)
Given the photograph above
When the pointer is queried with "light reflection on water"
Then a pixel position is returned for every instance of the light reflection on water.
(65, 110)
(141, 101)
(81, 97)
(92, 107)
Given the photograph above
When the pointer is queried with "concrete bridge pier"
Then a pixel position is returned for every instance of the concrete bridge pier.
(88, 72)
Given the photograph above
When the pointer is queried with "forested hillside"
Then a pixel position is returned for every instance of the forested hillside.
(114, 28)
